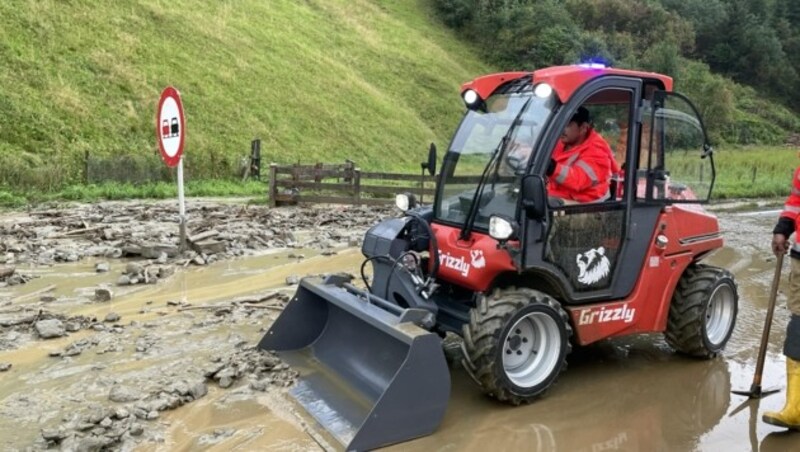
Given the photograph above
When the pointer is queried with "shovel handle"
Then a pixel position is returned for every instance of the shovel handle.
(773, 295)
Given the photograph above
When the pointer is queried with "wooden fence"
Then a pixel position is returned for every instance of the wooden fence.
(342, 184)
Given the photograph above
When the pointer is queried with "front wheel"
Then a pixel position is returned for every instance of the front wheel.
(516, 343)
(703, 311)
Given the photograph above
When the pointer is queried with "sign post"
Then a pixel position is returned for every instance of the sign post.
(171, 133)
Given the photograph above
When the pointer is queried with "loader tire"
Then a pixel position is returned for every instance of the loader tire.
(703, 311)
(516, 344)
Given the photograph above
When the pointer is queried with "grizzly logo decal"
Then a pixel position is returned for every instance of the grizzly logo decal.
(458, 264)
(593, 265)
(607, 314)
(478, 261)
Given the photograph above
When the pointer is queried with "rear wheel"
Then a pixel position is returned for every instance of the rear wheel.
(516, 343)
(703, 311)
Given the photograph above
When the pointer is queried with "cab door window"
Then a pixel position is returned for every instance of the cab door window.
(585, 240)
(679, 165)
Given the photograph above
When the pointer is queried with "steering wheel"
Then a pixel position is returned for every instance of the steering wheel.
(517, 157)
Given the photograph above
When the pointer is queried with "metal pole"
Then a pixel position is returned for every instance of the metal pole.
(181, 206)
(422, 185)
(773, 294)
(756, 392)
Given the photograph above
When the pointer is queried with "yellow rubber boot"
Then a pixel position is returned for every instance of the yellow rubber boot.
(789, 417)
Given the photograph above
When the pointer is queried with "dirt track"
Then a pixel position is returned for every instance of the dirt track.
(106, 328)
(169, 362)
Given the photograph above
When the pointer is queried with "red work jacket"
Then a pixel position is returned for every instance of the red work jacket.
(583, 172)
(791, 209)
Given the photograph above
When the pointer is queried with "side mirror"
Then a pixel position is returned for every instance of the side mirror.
(534, 197)
(430, 165)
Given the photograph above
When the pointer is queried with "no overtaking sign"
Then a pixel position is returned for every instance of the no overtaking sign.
(170, 126)
(171, 135)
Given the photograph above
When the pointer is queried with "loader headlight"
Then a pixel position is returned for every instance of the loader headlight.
(543, 91)
(501, 229)
(405, 201)
(471, 98)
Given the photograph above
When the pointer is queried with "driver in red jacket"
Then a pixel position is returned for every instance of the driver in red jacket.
(582, 163)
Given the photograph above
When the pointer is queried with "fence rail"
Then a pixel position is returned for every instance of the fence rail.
(342, 184)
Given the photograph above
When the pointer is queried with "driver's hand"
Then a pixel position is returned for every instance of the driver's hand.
(780, 244)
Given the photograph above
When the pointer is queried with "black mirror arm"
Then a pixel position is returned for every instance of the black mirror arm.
(707, 150)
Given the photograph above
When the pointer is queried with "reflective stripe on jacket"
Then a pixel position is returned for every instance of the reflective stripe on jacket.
(582, 173)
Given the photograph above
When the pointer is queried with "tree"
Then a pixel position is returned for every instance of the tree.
(755, 42)
(663, 58)
(456, 13)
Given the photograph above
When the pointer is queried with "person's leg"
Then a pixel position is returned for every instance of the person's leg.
(789, 417)
(793, 303)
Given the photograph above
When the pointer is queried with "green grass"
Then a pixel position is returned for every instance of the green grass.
(741, 172)
(746, 172)
(152, 190)
(754, 172)
(320, 80)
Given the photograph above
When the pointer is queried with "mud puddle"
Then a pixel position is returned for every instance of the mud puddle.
(157, 358)
(636, 394)
(237, 421)
(183, 351)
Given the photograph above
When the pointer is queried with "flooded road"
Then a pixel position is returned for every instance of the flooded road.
(629, 394)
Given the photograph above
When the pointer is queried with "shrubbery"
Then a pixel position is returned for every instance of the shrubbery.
(703, 44)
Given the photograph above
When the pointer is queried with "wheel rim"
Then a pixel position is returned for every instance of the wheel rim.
(720, 314)
(531, 349)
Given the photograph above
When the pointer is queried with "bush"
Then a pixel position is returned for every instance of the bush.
(657, 36)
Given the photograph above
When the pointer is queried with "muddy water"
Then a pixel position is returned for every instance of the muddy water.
(40, 391)
(630, 394)
(635, 394)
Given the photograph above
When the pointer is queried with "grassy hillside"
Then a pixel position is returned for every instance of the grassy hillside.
(370, 80)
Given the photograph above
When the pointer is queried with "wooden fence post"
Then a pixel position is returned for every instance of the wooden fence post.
(318, 172)
(255, 158)
(753, 181)
(86, 167)
(357, 189)
(273, 184)
(348, 171)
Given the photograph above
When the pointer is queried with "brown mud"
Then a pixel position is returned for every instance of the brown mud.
(178, 369)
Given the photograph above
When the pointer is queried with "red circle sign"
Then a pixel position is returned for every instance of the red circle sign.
(170, 126)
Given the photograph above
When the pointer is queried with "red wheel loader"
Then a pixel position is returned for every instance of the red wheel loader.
(519, 278)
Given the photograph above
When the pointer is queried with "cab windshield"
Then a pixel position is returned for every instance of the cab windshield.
(492, 145)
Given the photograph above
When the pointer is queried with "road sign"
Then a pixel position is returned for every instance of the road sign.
(170, 126)
(171, 135)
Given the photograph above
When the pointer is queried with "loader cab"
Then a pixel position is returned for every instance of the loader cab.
(511, 127)
(658, 140)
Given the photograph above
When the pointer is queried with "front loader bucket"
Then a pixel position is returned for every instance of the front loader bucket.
(368, 375)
